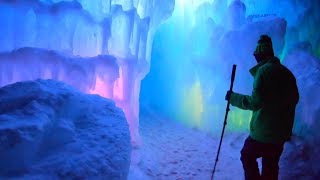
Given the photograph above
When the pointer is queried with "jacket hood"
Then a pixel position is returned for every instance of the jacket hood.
(254, 69)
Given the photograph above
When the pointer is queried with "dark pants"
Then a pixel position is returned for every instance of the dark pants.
(270, 154)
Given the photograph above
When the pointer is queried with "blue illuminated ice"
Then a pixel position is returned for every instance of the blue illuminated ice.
(123, 29)
(49, 130)
(180, 54)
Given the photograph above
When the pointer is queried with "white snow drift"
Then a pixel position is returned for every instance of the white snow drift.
(49, 130)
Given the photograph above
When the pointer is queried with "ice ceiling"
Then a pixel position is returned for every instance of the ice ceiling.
(188, 46)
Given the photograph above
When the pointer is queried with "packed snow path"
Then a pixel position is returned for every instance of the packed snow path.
(172, 151)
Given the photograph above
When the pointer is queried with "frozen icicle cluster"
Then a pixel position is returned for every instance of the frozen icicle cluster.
(83, 27)
(95, 74)
(123, 29)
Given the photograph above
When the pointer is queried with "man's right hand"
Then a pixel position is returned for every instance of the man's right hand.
(227, 98)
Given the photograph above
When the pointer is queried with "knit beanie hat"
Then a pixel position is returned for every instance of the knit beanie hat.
(264, 46)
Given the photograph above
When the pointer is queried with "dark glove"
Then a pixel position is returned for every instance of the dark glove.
(227, 98)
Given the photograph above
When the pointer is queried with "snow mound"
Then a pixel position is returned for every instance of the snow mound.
(50, 130)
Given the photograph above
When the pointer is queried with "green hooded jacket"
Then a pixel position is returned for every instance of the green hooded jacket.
(273, 102)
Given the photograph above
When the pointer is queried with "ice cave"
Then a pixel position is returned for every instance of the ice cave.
(136, 89)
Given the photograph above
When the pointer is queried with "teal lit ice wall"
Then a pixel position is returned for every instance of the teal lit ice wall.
(193, 53)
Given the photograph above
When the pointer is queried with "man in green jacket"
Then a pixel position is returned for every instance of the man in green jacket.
(273, 102)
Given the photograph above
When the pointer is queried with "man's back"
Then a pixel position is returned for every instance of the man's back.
(273, 122)
(280, 85)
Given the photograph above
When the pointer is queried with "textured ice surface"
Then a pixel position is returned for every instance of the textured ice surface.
(51, 130)
(85, 28)
(83, 73)
(306, 68)
(123, 29)
(95, 75)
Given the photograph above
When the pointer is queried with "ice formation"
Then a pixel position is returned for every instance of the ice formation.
(95, 74)
(122, 29)
(306, 68)
(50, 130)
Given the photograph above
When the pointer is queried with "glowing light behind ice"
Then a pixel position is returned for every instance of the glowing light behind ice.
(194, 93)
(193, 104)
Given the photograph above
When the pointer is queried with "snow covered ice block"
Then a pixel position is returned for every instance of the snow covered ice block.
(50, 130)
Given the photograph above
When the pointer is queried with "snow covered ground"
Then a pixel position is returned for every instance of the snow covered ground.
(173, 151)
